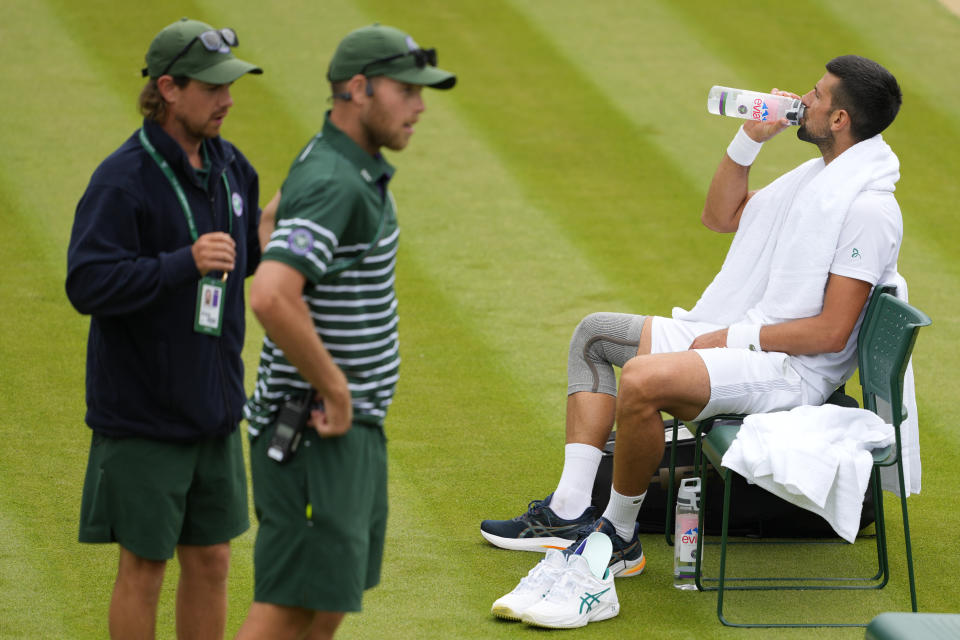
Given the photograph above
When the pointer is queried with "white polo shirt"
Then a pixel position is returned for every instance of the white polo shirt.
(867, 250)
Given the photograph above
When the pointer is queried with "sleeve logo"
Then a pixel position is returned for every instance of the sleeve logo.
(300, 241)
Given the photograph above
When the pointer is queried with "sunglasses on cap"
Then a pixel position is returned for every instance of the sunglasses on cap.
(212, 40)
(422, 58)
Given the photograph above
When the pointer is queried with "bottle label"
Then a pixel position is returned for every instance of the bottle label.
(753, 106)
(685, 537)
(760, 110)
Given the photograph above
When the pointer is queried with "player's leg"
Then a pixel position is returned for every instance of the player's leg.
(690, 385)
(266, 621)
(202, 591)
(133, 605)
(599, 343)
(324, 625)
(674, 382)
(216, 511)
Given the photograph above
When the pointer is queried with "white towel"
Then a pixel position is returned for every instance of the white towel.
(778, 263)
(815, 457)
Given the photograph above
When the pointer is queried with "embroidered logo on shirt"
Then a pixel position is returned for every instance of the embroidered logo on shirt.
(300, 241)
(237, 204)
(855, 255)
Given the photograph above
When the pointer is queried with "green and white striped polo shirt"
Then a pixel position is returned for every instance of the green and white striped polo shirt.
(337, 225)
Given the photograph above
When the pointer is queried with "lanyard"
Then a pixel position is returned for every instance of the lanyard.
(178, 190)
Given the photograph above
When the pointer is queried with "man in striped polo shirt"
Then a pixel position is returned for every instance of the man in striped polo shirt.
(325, 295)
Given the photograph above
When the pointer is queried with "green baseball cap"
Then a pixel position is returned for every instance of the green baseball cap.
(196, 50)
(379, 50)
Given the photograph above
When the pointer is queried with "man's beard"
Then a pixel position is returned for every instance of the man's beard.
(202, 132)
(823, 142)
(380, 134)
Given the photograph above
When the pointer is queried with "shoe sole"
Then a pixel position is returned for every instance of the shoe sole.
(541, 545)
(628, 568)
(506, 613)
(605, 614)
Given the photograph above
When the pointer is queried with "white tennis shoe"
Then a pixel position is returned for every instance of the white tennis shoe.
(532, 587)
(585, 591)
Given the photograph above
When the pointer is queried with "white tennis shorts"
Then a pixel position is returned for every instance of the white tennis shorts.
(741, 381)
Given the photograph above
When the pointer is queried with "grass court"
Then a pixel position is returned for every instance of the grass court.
(563, 175)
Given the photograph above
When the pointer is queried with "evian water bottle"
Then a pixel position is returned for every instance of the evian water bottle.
(751, 105)
(685, 535)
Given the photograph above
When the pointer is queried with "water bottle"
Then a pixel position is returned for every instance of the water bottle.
(685, 535)
(751, 105)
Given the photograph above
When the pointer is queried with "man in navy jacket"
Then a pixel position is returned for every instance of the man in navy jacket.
(162, 240)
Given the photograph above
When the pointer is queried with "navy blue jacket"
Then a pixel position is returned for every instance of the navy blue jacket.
(130, 267)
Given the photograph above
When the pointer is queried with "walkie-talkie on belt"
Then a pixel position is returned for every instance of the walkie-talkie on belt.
(291, 421)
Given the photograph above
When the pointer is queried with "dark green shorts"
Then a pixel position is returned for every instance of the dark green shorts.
(150, 496)
(323, 518)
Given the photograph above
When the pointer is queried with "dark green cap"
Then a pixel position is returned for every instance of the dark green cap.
(197, 62)
(379, 50)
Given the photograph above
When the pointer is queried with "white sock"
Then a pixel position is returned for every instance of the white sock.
(622, 512)
(573, 494)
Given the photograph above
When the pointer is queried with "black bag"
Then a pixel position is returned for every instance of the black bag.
(754, 511)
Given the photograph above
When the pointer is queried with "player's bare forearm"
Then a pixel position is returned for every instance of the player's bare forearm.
(827, 332)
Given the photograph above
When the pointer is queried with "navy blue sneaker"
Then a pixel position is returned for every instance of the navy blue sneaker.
(627, 559)
(539, 529)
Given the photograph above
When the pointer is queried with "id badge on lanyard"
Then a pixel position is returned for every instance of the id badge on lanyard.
(210, 303)
(211, 292)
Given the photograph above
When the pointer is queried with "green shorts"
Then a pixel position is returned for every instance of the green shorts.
(323, 517)
(150, 496)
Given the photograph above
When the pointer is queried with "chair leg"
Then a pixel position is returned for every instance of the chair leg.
(702, 508)
(668, 525)
(906, 538)
(727, 481)
(880, 526)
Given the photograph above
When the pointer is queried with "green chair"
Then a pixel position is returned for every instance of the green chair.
(839, 397)
(885, 342)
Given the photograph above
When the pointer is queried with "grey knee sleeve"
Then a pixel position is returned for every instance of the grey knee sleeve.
(600, 342)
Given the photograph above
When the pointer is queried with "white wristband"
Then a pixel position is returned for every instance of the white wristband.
(743, 149)
(744, 336)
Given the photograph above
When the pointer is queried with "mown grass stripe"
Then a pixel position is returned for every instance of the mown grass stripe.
(41, 360)
(655, 70)
(28, 615)
(34, 366)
